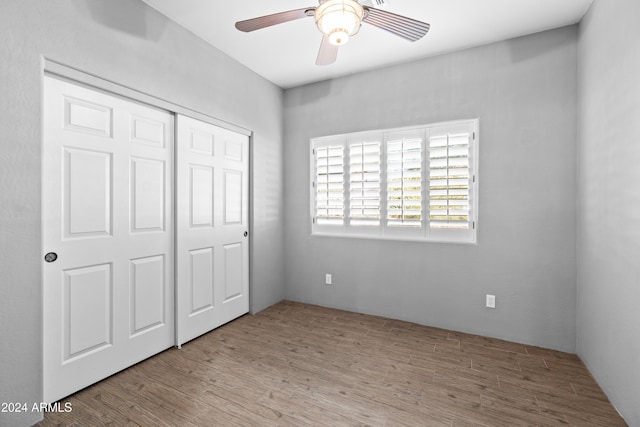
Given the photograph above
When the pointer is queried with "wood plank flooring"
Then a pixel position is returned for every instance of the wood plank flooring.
(300, 365)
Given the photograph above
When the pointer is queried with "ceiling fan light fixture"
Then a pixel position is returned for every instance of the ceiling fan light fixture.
(339, 19)
(338, 37)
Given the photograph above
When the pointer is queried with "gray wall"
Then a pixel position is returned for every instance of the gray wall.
(609, 201)
(129, 43)
(524, 92)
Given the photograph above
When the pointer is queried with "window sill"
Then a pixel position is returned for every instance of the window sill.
(393, 238)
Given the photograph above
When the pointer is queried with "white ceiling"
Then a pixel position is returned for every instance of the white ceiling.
(285, 54)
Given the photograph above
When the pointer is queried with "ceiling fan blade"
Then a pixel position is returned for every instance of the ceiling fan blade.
(277, 18)
(407, 28)
(328, 52)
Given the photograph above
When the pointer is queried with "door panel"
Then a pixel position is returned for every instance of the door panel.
(201, 201)
(233, 150)
(233, 266)
(212, 218)
(201, 283)
(147, 131)
(108, 299)
(147, 194)
(87, 193)
(87, 310)
(147, 293)
(84, 116)
(232, 197)
(201, 142)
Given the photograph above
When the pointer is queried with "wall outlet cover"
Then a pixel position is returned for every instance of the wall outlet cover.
(491, 301)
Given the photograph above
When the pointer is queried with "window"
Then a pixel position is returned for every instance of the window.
(417, 183)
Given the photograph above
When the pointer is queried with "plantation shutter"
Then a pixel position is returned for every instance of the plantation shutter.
(404, 181)
(414, 183)
(364, 183)
(329, 185)
(449, 180)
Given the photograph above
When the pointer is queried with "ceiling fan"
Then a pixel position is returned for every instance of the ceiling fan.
(339, 19)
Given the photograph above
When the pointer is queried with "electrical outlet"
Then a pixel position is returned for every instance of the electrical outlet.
(327, 279)
(491, 301)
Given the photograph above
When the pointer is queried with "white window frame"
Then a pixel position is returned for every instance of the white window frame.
(424, 232)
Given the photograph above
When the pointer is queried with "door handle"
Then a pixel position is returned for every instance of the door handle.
(246, 233)
(51, 257)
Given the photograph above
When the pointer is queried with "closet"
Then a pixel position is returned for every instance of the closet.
(145, 232)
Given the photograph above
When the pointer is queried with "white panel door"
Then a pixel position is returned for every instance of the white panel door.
(212, 250)
(108, 297)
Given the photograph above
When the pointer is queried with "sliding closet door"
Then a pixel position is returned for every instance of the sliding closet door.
(212, 244)
(108, 267)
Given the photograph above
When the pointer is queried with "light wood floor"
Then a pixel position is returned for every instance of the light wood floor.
(297, 365)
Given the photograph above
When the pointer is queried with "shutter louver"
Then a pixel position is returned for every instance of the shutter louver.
(330, 185)
(404, 182)
(364, 183)
(449, 181)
